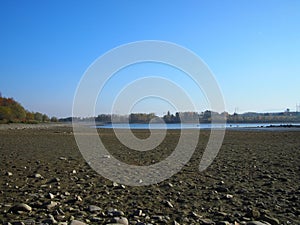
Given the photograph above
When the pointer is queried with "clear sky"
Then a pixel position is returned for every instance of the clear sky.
(251, 46)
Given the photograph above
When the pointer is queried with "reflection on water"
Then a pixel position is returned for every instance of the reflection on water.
(173, 126)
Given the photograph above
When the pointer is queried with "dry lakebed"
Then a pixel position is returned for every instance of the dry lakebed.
(254, 180)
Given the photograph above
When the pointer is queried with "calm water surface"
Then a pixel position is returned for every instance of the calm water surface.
(173, 126)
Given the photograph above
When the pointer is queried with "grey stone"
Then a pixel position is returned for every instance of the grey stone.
(255, 223)
(37, 175)
(77, 222)
(51, 196)
(94, 208)
(269, 219)
(223, 223)
(50, 220)
(20, 208)
(50, 205)
(207, 222)
(18, 223)
(9, 173)
(122, 220)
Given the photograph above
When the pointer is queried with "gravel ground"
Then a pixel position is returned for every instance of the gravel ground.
(255, 179)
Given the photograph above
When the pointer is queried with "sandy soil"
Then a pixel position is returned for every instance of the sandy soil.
(255, 177)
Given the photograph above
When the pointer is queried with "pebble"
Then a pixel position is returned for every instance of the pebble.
(207, 221)
(20, 208)
(51, 205)
(51, 196)
(77, 222)
(122, 220)
(37, 175)
(94, 208)
(255, 223)
(223, 223)
(50, 220)
(9, 173)
(169, 204)
(115, 213)
(269, 219)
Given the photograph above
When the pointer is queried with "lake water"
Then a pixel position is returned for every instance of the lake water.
(173, 126)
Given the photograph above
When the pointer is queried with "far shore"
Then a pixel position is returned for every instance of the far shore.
(32, 126)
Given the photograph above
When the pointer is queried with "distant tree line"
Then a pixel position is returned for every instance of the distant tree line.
(13, 112)
(194, 117)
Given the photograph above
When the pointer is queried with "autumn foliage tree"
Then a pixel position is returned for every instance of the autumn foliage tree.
(13, 112)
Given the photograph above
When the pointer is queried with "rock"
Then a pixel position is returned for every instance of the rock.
(96, 219)
(255, 223)
(122, 220)
(228, 196)
(169, 204)
(51, 196)
(175, 223)
(157, 217)
(77, 222)
(115, 213)
(18, 223)
(222, 189)
(223, 223)
(195, 215)
(254, 213)
(29, 222)
(207, 222)
(138, 212)
(37, 175)
(94, 208)
(50, 220)
(62, 223)
(269, 219)
(50, 205)
(78, 198)
(20, 208)
(9, 173)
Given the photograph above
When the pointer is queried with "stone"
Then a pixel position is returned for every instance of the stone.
(222, 189)
(29, 222)
(20, 208)
(115, 213)
(255, 223)
(77, 222)
(207, 222)
(18, 223)
(270, 220)
(37, 175)
(50, 220)
(94, 208)
(9, 173)
(223, 223)
(51, 205)
(51, 196)
(122, 220)
(138, 212)
(169, 204)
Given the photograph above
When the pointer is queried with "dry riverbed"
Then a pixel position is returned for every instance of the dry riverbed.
(255, 179)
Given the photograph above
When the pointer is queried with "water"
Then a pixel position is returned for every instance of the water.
(173, 126)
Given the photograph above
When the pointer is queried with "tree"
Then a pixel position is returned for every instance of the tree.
(45, 118)
(54, 119)
(38, 117)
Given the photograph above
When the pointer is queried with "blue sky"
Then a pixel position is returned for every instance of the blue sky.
(251, 46)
